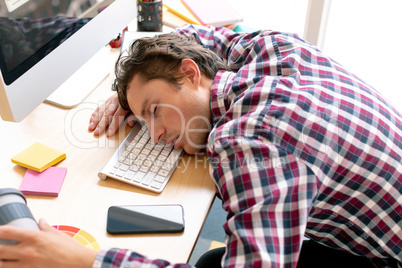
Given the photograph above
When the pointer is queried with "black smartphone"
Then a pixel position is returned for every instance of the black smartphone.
(134, 219)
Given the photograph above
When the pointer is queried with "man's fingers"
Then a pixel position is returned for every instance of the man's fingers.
(8, 253)
(116, 121)
(94, 120)
(44, 226)
(12, 233)
(101, 126)
(108, 115)
(114, 125)
(96, 117)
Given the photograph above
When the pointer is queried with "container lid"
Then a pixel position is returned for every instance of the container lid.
(5, 191)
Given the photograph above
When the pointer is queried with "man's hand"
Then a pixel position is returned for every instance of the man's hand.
(45, 248)
(109, 115)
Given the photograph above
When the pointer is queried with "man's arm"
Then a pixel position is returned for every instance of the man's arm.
(236, 49)
(52, 248)
(266, 189)
(46, 248)
(268, 194)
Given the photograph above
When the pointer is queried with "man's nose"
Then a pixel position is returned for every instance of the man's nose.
(157, 131)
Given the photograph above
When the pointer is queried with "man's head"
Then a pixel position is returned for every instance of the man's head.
(166, 81)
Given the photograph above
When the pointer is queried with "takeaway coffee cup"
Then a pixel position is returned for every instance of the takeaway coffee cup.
(14, 211)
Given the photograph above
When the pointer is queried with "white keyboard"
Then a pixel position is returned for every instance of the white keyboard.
(141, 162)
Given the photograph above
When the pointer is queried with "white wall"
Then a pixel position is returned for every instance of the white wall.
(279, 15)
(365, 36)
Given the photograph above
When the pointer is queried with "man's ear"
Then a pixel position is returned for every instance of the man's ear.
(191, 71)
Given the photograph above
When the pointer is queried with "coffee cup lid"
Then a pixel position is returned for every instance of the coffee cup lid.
(5, 191)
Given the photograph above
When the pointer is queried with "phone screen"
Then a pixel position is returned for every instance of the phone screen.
(145, 219)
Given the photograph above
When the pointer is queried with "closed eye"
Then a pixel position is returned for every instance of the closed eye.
(155, 108)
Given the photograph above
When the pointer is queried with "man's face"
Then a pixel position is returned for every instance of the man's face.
(179, 117)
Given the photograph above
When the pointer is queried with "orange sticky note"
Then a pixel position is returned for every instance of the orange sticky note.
(38, 157)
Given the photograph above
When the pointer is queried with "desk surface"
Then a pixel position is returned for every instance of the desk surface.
(84, 199)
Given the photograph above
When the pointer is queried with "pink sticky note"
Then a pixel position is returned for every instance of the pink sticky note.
(46, 183)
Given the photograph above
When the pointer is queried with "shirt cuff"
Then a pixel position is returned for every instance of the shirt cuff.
(99, 259)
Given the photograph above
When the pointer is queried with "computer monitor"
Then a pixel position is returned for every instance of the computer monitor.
(44, 42)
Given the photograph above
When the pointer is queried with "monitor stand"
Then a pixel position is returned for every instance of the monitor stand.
(75, 89)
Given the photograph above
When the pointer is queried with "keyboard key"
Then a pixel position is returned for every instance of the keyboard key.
(138, 162)
(159, 147)
(119, 173)
(112, 171)
(136, 151)
(167, 166)
(149, 146)
(148, 179)
(142, 130)
(162, 158)
(127, 162)
(142, 157)
(165, 152)
(163, 172)
(117, 165)
(138, 176)
(143, 140)
(132, 156)
(145, 151)
(155, 152)
(154, 169)
(160, 179)
(152, 158)
(138, 145)
(144, 169)
(123, 167)
(147, 163)
(129, 175)
(158, 163)
(146, 135)
(156, 185)
(134, 168)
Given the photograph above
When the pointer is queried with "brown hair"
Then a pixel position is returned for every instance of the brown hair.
(161, 57)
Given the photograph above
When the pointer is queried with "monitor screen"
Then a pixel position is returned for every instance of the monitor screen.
(27, 37)
(43, 42)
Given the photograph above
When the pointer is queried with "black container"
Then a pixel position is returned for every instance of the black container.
(149, 17)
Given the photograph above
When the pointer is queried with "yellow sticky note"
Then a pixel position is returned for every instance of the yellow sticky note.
(38, 157)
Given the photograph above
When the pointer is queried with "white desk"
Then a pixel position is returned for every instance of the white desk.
(84, 199)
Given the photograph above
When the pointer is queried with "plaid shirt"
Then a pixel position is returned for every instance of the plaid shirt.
(300, 147)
